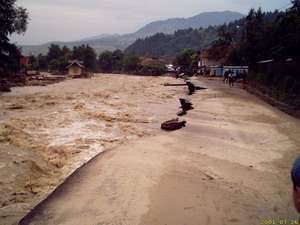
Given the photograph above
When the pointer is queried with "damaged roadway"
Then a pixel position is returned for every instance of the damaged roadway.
(229, 165)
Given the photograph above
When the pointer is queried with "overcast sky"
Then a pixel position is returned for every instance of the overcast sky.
(69, 20)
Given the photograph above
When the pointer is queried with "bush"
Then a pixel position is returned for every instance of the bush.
(152, 69)
(131, 63)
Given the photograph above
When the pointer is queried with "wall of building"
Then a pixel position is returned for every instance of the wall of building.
(75, 70)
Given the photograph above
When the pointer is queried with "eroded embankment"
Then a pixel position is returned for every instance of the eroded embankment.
(47, 132)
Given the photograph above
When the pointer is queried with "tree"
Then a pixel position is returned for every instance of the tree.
(77, 52)
(111, 61)
(106, 61)
(184, 60)
(286, 33)
(118, 56)
(266, 38)
(89, 58)
(58, 55)
(42, 62)
(86, 54)
(132, 63)
(64, 58)
(13, 19)
(224, 44)
(54, 52)
(54, 64)
(166, 45)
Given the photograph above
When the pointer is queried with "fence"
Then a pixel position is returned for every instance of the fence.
(290, 68)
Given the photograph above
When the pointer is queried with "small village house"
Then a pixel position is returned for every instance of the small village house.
(207, 59)
(27, 66)
(210, 64)
(215, 66)
(75, 67)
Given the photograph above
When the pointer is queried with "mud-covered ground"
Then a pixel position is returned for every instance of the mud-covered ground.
(48, 132)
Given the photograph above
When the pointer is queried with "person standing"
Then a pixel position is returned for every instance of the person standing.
(226, 74)
(231, 78)
(295, 174)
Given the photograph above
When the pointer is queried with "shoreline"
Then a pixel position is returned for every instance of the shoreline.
(46, 132)
(185, 176)
(60, 78)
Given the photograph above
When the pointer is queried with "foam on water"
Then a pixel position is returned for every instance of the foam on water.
(48, 132)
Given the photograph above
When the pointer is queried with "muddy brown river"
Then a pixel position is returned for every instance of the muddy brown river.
(48, 132)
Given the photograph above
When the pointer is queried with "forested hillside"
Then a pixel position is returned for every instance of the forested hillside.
(166, 45)
(112, 42)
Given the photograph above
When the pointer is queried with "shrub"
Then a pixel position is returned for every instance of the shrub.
(152, 69)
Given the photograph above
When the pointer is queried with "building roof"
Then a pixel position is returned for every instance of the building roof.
(76, 62)
(24, 61)
(145, 61)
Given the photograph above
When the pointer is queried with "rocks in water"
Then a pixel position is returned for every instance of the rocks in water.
(173, 124)
(181, 113)
(185, 105)
(192, 87)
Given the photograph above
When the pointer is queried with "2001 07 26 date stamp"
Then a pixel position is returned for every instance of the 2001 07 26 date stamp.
(287, 222)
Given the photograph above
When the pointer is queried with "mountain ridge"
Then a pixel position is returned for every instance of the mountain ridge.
(112, 42)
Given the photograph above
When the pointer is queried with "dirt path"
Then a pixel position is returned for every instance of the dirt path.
(229, 165)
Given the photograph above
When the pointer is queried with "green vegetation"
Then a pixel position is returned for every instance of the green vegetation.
(57, 58)
(13, 19)
(152, 69)
(111, 61)
(131, 63)
(187, 60)
(238, 39)
(166, 45)
(284, 87)
(277, 40)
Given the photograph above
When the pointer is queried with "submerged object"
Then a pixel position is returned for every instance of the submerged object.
(172, 124)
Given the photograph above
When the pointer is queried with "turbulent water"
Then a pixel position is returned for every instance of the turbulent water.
(48, 132)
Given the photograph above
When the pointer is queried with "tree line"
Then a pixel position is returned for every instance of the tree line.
(221, 40)
(167, 45)
(261, 36)
(57, 59)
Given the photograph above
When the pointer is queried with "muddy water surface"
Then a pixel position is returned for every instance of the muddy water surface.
(48, 132)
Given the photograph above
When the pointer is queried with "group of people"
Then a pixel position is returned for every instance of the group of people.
(231, 77)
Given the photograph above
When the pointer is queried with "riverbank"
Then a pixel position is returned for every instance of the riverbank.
(46, 132)
(229, 165)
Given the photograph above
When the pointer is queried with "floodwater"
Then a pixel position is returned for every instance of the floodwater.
(48, 132)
